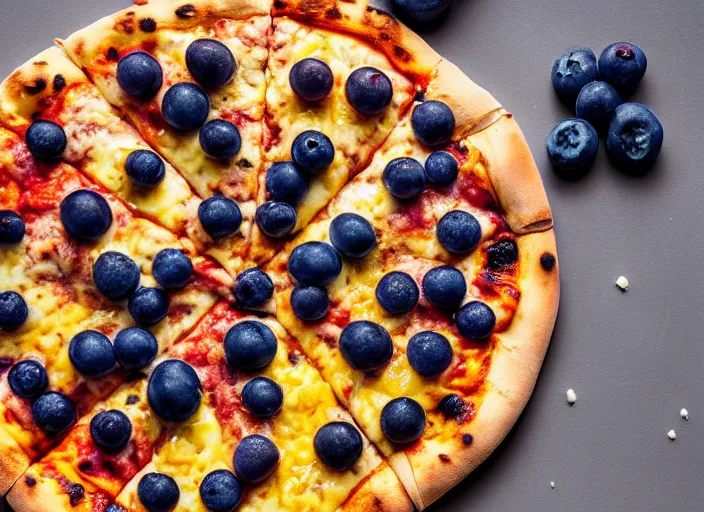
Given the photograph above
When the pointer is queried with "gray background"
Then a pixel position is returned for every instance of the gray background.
(633, 358)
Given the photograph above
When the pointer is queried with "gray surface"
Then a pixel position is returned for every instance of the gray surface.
(634, 359)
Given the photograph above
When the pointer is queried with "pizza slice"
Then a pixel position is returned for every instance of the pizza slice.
(267, 405)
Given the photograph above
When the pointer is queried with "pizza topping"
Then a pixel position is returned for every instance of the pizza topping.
(185, 106)
(28, 379)
(145, 168)
(422, 11)
(312, 152)
(86, 215)
(475, 320)
(429, 353)
(459, 232)
(220, 491)
(352, 235)
(262, 397)
(211, 63)
(253, 288)
(403, 420)
(256, 458)
(172, 269)
(147, 25)
(220, 139)
(111, 430)
(286, 183)
(467, 439)
(366, 346)
(158, 492)
(442, 168)
(46, 140)
(397, 293)
(502, 254)
(53, 413)
(310, 303)
(219, 216)
(115, 275)
(12, 228)
(275, 219)
(186, 11)
(148, 306)
(369, 91)
(452, 406)
(59, 82)
(547, 261)
(315, 263)
(444, 287)
(91, 354)
(113, 507)
(250, 345)
(405, 178)
(433, 123)
(338, 444)
(174, 390)
(13, 311)
(135, 348)
(139, 74)
(311, 79)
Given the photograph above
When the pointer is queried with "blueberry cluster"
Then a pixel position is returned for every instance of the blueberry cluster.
(633, 133)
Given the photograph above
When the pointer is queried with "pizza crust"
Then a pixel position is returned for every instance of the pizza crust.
(13, 461)
(380, 492)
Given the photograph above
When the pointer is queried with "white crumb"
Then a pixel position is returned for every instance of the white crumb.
(622, 283)
(672, 435)
(552, 484)
(685, 414)
(571, 396)
(174, 439)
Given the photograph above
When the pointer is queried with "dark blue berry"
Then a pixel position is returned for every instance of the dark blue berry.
(253, 288)
(635, 138)
(338, 444)
(256, 458)
(459, 232)
(369, 91)
(286, 183)
(311, 79)
(111, 430)
(91, 353)
(475, 320)
(250, 345)
(315, 263)
(352, 235)
(85, 215)
(46, 140)
(310, 303)
(174, 390)
(145, 168)
(366, 346)
(148, 306)
(312, 152)
(572, 147)
(404, 178)
(185, 106)
(403, 420)
(596, 103)
(262, 397)
(11, 228)
(115, 508)
(135, 348)
(220, 139)
(220, 491)
(115, 275)
(28, 379)
(442, 168)
(623, 66)
(502, 254)
(210, 62)
(140, 75)
(172, 269)
(433, 123)
(219, 216)
(573, 70)
(444, 287)
(452, 406)
(53, 413)
(275, 219)
(13, 311)
(422, 11)
(429, 353)
(158, 492)
(397, 293)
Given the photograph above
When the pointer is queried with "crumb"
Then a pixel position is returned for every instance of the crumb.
(672, 435)
(622, 283)
(552, 485)
(685, 414)
(571, 396)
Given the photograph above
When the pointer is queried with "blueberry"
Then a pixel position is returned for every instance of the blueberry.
(220, 139)
(256, 458)
(311, 79)
(444, 287)
(111, 430)
(13, 311)
(623, 66)
(352, 235)
(310, 303)
(312, 152)
(397, 293)
(115, 275)
(369, 91)
(286, 183)
(220, 491)
(253, 288)
(429, 353)
(28, 379)
(441, 168)
(210, 62)
(115, 508)
(422, 11)
(85, 215)
(573, 70)
(459, 232)
(250, 345)
(262, 397)
(172, 269)
(91, 353)
(139, 74)
(433, 123)
(502, 254)
(148, 306)
(145, 168)
(158, 492)
(174, 390)
(572, 147)
(635, 137)
(135, 348)
(366, 346)
(475, 320)
(403, 420)
(452, 406)
(185, 106)
(338, 444)
(46, 140)
(276, 220)
(11, 228)
(53, 413)
(405, 178)
(596, 103)
(219, 216)
(315, 263)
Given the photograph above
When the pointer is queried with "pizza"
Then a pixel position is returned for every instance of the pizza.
(261, 255)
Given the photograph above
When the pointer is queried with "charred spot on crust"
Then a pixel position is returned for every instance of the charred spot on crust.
(245, 163)
(419, 97)
(467, 439)
(502, 254)
(38, 86)
(402, 54)
(547, 261)
(279, 4)
(35, 115)
(59, 82)
(294, 357)
(333, 14)
(385, 37)
(85, 466)
(147, 25)
(186, 11)
(131, 400)
(30, 481)
(444, 458)
(75, 493)
(112, 54)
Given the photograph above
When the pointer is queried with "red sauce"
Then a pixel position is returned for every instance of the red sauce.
(239, 119)
(338, 316)
(5, 364)
(119, 467)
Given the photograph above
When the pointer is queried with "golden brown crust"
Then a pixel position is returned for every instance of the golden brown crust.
(380, 492)
(514, 175)
(13, 461)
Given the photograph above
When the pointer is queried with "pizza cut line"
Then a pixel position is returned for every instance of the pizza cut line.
(261, 255)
